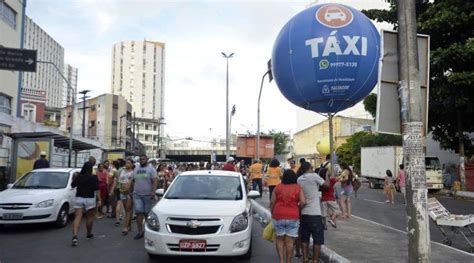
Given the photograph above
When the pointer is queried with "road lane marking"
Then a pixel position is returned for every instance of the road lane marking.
(404, 232)
(378, 202)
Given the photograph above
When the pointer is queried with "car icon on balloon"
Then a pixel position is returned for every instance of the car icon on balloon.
(334, 14)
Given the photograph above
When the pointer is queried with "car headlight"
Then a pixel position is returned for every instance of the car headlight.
(240, 223)
(45, 203)
(152, 221)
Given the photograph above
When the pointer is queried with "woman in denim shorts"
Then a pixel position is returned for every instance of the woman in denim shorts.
(286, 201)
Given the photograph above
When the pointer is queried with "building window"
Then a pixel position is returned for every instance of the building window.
(7, 14)
(29, 112)
(114, 123)
(115, 106)
(147, 127)
(5, 104)
(91, 124)
(147, 137)
(93, 107)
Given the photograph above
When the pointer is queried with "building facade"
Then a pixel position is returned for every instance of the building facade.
(70, 73)
(305, 141)
(33, 104)
(108, 120)
(10, 37)
(46, 77)
(138, 76)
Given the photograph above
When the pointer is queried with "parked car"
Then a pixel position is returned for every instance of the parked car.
(205, 213)
(40, 196)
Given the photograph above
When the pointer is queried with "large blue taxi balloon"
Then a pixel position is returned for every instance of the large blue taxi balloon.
(325, 59)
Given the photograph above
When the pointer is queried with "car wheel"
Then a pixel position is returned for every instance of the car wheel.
(63, 216)
(248, 255)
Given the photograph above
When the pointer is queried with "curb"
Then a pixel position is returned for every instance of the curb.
(264, 216)
(464, 194)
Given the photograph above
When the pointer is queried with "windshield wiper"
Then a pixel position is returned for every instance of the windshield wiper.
(173, 197)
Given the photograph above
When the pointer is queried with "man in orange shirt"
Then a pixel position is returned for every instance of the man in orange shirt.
(256, 176)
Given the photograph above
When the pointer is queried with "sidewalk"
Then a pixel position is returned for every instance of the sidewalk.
(361, 240)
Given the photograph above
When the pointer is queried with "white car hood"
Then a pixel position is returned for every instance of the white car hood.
(28, 195)
(200, 208)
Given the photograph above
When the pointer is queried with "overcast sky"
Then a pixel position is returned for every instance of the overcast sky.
(195, 33)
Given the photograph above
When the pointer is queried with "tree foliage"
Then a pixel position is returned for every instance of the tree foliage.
(450, 24)
(370, 104)
(349, 152)
(280, 141)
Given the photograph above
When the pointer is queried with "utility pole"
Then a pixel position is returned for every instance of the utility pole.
(84, 97)
(227, 129)
(133, 132)
(419, 249)
(331, 144)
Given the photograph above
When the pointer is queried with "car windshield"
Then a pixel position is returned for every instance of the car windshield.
(206, 187)
(43, 180)
(432, 163)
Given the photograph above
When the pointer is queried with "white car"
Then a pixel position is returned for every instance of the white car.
(40, 196)
(334, 14)
(203, 213)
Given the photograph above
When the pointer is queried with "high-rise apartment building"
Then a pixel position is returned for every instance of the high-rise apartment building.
(107, 120)
(46, 77)
(138, 75)
(10, 37)
(70, 73)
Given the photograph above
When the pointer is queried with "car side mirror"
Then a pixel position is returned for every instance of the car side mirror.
(9, 186)
(160, 192)
(253, 194)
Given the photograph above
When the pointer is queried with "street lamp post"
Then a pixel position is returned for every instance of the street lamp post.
(227, 131)
(270, 76)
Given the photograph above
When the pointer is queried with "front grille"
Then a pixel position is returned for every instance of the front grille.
(15, 206)
(209, 248)
(28, 217)
(202, 230)
(196, 219)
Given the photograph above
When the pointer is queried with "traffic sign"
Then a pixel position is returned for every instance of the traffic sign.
(18, 59)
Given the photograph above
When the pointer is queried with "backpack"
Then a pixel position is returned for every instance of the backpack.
(323, 170)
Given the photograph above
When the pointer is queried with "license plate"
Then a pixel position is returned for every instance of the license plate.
(12, 216)
(192, 244)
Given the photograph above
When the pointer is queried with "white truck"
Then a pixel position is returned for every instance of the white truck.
(375, 161)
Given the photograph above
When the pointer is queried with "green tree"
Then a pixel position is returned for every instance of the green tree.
(450, 24)
(370, 104)
(349, 152)
(280, 140)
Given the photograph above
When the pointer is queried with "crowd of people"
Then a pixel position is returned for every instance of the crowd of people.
(124, 189)
(303, 199)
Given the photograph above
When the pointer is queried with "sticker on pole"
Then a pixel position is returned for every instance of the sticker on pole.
(325, 59)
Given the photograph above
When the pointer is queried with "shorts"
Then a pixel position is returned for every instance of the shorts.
(347, 191)
(312, 226)
(142, 203)
(329, 208)
(403, 189)
(85, 203)
(124, 197)
(389, 189)
(286, 227)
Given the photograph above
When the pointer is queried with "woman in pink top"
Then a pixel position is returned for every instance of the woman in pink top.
(402, 182)
(103, 176)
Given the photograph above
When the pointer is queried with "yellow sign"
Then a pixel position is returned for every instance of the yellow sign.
(112, 156)
(27, 153)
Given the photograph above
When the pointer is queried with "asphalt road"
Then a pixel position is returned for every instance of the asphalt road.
(370, 205)
(44, 243)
